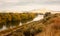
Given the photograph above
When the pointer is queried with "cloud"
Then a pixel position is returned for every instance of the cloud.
(25, 2)
(28, 4)
(56, 2)
(32, 7)
(8, 3)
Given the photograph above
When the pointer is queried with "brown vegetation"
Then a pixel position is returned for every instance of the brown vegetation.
(14, 19)
(48, 26)
(53, 28)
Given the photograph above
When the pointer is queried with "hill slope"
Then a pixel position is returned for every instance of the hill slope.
(49, 26)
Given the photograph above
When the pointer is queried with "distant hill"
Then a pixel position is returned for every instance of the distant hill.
(42, 11)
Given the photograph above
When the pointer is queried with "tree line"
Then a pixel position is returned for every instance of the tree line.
(14, 19)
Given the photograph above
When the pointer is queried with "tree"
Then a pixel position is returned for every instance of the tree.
(25, 17)
(47, 14)
(14, 19)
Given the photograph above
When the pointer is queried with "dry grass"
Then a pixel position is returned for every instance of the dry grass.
(52, 29)
(37, 28)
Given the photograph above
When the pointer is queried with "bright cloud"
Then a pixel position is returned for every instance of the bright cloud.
(29, 4)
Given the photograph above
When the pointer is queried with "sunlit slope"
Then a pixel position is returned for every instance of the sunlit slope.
(53, 27)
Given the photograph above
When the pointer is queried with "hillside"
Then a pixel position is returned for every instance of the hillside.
(48, 26)
(28, 29)
(53, 28)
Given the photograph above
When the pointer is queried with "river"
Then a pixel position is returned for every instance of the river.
(35, 19)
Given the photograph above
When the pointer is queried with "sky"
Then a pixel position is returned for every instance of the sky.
(26, 5)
